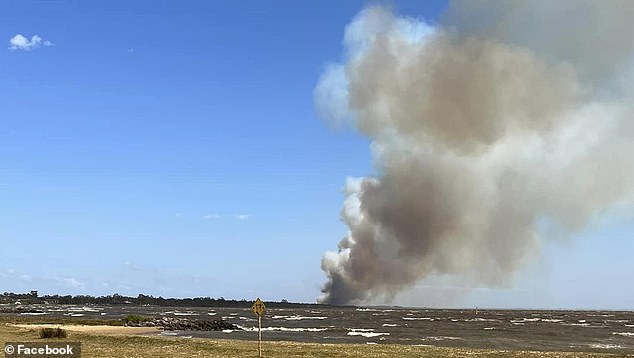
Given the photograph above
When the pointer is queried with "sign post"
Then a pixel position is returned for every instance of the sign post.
(259, 308)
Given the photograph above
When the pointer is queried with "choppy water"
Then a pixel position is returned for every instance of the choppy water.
(598, 331)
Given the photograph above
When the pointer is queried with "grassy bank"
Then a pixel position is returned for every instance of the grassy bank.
(108, 345)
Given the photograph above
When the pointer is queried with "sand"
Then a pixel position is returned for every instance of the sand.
(93, 329)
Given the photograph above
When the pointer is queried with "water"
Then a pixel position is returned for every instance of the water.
(595, 331)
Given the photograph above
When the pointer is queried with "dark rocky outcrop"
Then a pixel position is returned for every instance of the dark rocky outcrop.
(184, 324)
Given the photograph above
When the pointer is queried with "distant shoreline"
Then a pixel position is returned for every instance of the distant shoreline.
(115, 299)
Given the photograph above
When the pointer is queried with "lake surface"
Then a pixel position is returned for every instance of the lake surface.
(596, 331)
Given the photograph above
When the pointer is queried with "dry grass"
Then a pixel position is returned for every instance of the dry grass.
(102, 345)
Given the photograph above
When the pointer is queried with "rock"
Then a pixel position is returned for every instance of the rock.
(184, 324)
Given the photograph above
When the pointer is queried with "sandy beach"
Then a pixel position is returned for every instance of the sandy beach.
(102, 329)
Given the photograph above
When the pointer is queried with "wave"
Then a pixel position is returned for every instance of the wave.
(185, 314)
(605, 346)
(523, 320)
(626, 334)
(481, 320)
(440, 338)
(299, 318)
(367, 334)
(283, 329)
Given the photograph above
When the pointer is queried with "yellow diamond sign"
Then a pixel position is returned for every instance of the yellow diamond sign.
(258, 307)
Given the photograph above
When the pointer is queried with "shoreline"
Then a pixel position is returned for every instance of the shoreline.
(96, 329)
(102, 341)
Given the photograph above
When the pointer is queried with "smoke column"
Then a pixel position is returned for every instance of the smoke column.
(505, 116)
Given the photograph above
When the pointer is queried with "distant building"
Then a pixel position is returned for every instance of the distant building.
(34, 293)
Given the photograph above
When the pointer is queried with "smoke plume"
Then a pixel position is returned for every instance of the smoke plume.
(504, 117)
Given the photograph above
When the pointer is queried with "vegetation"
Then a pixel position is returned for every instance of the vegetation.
(133, 319)
(141, 299)
(52, 333)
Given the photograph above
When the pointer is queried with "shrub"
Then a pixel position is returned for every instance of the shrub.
(52, 333)
(133, 319)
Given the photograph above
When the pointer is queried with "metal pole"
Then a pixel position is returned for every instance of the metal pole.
(260, 335)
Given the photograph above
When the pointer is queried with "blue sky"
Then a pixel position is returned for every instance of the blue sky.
(172, 148)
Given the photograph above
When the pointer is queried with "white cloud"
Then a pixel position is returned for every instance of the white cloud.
(70, 281)
(21, 42)
(211, 217)
(243, 216)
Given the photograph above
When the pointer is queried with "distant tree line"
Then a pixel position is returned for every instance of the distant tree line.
(141, 299)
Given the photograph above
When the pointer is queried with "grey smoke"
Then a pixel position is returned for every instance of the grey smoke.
(504, 117)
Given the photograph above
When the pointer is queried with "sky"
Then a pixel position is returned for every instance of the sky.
(173, 148)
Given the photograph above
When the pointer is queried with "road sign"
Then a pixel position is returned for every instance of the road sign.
(258, 308)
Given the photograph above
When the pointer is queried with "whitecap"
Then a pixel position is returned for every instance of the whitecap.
(577, 324)
(300, 318)
(283, 329)
(367, 334)
(92, 309)
(626, 334)
(390, 325)
(417, 318)
(605, 346)
(185, 314)
(522, 320)
(439, 338)
(480, 320)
